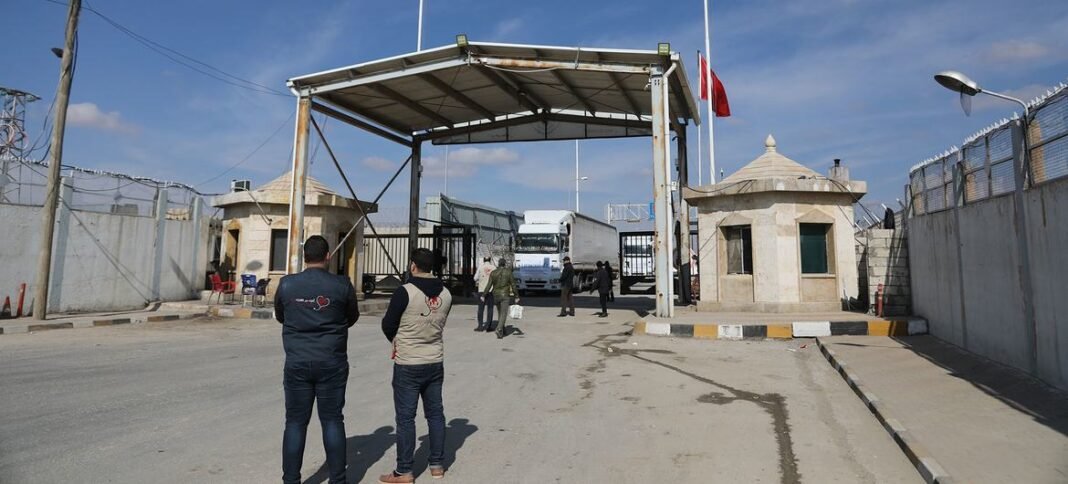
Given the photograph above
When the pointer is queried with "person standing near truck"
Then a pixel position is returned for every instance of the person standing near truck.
(485, 299)
(502, 286)
(612, 289)
(567, 286)
(603, 286)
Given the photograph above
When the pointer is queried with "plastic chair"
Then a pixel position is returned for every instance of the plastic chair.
(220, 287)
(248, 288)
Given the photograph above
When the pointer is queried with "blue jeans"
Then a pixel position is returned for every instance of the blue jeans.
(409, 383)
(485, 304)
(305, 383)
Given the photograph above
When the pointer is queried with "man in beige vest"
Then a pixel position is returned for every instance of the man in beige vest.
(414, 323)
(485, 299)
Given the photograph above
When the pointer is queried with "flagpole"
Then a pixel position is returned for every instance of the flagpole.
(419, 35)
(711, 114)
(700, 153)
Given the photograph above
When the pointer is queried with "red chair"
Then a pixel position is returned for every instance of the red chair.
(220, 287)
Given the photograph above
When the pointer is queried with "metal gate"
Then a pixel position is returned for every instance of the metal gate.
(453, 246)
(637, 263)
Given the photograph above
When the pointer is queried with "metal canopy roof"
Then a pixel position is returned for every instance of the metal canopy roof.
(485, 92)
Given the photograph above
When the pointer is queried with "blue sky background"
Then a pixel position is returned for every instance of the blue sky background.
(847, 79)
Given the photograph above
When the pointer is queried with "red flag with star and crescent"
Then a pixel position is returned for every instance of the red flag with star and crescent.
(719, 95)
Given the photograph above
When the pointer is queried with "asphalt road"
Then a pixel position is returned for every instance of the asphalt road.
(573, 400)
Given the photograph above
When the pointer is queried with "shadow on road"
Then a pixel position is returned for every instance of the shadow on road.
(362, 451)
(456, 433)
(1045, 404)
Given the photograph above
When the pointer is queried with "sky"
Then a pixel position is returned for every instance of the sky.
(848, 79)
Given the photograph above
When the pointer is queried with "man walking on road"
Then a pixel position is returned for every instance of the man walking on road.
(567, 285)
(316, 309)
(485, 299)
(604, 287)
(414, 323)
(502, 285)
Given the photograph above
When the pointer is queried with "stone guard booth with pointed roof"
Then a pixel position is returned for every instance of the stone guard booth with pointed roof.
(255, 229)
(776, 236)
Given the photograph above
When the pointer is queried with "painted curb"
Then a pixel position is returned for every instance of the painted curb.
(929, 468)
(799, 329)
(95, 323)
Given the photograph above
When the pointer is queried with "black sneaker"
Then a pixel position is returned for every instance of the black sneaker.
(561, 315)
(480, 328)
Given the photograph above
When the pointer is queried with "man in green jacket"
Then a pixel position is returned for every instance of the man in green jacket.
(502, 286)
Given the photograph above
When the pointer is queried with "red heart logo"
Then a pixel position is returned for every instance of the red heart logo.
(322, 301)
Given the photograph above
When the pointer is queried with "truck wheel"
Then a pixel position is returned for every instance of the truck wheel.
(368, 287)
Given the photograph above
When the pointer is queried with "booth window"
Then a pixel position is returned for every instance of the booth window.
(739, 249)
(814, 248)
(279, 239)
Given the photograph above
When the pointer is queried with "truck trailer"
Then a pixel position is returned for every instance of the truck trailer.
(547, 236)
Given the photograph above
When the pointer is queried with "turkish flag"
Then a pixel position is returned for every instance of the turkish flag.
(720, 105)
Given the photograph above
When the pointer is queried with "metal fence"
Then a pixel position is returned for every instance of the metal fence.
(23, 182)
(984, 167)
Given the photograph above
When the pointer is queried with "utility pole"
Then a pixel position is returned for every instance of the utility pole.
(48, 211)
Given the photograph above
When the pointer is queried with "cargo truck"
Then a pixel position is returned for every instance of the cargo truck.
(547, 236)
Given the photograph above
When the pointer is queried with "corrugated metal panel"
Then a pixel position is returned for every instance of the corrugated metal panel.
(425, 106)
(1001, 178)
(1050, 160)
(976, 186)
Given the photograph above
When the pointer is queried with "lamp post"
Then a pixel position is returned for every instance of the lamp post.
(577, 177)
(958, 82)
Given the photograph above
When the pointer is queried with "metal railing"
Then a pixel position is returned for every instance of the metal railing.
(984, 167)
(23, 182)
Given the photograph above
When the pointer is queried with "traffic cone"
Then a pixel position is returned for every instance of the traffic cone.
(6, 312)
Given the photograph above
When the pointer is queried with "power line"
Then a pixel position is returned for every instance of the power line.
(178, 56)
(253, 152)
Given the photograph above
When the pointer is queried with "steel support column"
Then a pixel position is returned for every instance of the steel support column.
(662, 194)
(294, 249)
(685, 268)
(413, 200)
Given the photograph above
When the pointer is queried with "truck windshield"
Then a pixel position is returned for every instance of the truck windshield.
(537, 243)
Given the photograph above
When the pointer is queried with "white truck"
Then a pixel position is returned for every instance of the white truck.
(547, 236)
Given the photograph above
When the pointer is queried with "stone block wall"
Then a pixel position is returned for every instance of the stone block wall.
(883, 258)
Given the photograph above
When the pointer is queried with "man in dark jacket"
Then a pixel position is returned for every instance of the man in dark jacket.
(567, 286)
(415, 323)
(604, 286)
(316, 309)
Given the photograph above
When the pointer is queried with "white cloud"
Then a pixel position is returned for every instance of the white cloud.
(507, 27)
(89, 115)
(1016, 50)
(378, 163)
(465, 162)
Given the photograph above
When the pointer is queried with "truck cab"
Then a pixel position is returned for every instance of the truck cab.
(539, 253)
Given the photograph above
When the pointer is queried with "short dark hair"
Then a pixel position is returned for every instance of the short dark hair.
(486, 259)
(600, 264)
(315, 249)
(423, 259)
(567, 259)
(501, 262)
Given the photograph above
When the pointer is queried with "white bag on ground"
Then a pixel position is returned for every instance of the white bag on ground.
(515, 311)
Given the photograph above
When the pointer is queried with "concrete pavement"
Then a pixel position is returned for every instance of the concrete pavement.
(574, 400)
(971, 419)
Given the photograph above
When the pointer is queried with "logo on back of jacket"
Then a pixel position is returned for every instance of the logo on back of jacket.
(317, 304)
(432, 305)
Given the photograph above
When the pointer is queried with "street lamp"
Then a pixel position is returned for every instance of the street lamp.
(955, 81)
(577, 177)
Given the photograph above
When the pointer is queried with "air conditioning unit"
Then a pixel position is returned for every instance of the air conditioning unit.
(240, 185)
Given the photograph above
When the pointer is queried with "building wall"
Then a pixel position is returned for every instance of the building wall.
(966, 279)
(103, 262)
(777, 282)
(883, 258)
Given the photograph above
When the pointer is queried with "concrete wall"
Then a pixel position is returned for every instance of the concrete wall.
(103, 262)
(967, 281)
